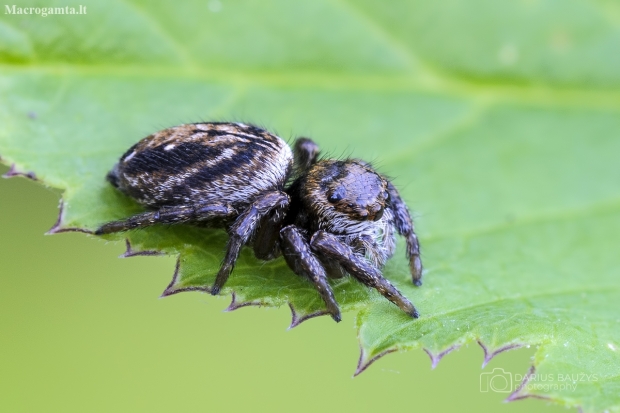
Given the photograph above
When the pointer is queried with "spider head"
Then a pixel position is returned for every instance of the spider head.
(356, 190)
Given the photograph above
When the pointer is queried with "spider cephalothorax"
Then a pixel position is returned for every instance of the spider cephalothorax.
(328, 217)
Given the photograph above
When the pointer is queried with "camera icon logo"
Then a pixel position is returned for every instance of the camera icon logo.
(498, 380)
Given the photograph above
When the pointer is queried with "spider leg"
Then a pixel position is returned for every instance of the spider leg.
(327, 244)
(302, 261)
(367, 247)
(242, 230)
(332, 268)
(167, 215)
(306, 153)
(404, 226)
(265, 242)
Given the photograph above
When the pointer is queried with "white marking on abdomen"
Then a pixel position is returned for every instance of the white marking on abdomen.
(131, 155)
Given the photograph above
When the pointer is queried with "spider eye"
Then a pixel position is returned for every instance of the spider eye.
(337, 195)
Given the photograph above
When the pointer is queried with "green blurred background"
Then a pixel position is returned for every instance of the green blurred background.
(83, 331)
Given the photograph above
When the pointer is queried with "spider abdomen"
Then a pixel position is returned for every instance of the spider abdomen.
(203, 163)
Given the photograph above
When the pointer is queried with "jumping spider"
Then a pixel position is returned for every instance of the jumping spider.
(328, 217)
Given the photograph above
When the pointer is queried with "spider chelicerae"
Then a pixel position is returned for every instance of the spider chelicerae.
(327, 217)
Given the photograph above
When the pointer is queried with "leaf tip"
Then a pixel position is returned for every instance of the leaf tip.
(298, 318)
(172, 288)
(235, 304)
(364, 362)
(59, 227)
(521, 390)
(14, 171)
(130, 252)
(436, 358)
(490, 354)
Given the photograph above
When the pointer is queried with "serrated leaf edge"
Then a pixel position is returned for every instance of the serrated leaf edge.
(14, 171)
(519, 393)
(58, 228)
(298, 318)
(489, 354)
(235, 305)
(363, 362)
(130, 252)
(436, 357)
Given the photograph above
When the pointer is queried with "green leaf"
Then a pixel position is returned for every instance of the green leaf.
(499, 121)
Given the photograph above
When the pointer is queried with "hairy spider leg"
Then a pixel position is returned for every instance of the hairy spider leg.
(404, 226)
(242, 230)
(302, 261)
(168, 215)
(329, 245)
(306, 153)
(265, 243)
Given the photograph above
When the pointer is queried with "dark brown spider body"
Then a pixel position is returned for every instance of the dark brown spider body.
(335, 192)
(335, 217)
(350, 200)
(203, 163)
